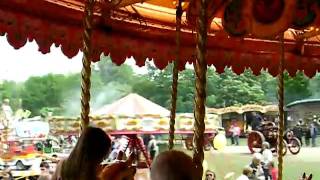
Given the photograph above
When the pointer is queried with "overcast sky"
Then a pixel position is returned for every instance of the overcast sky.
(19, 65)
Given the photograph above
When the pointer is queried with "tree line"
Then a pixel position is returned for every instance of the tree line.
(60, 94)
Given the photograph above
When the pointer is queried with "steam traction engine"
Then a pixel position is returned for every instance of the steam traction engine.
(268, 132)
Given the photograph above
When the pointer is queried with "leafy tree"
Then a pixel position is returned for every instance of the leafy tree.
(155, 86)
(39, 92)
(269, 86)
(60, 94)
(238, 90)
(314, 86)
(110, 72)
(296, 88)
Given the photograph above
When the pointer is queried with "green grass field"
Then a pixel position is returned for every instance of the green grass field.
(308, 160)
(293, 165)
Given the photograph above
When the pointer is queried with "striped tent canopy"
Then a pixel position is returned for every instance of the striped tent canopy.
(132, 105)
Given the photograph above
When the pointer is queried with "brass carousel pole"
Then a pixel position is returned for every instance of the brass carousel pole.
(200, 67)
(175, 76)
(281, 109)
(86, 62)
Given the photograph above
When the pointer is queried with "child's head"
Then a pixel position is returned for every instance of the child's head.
(210, 175)
(247, 171)
(265, 145)
(44, 166)
(256, 160)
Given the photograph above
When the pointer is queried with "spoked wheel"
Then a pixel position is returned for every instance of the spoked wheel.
(189, 143)
(255, 140)
(294, 145)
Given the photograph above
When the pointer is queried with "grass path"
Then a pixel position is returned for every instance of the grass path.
(233, 159)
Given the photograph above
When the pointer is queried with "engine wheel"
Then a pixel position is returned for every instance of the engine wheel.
(255, 140)
(294, 145)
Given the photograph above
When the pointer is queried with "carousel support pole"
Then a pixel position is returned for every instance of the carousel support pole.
(281, 110)
(86, 62)
(200, 67)
(175, 76)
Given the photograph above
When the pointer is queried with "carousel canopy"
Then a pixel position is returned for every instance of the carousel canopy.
(243, 33)
(132, 105)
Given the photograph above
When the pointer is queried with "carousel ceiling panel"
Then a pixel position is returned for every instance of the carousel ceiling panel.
(147, 30)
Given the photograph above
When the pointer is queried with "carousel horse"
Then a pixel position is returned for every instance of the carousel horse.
(305, 177)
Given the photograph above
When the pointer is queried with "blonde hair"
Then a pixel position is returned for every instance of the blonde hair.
(247, 170)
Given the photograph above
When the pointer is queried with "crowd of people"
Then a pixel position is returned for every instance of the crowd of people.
(308, 131)
(261, 167)
(94, 146)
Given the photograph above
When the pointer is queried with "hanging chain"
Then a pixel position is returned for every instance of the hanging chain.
(200, 67)
(86, 62)
(281, 110)
(175, 76)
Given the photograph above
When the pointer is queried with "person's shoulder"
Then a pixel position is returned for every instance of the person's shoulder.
(242, 177)
(269, 151)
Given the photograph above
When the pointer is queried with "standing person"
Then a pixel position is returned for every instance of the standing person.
(307, 135)
(266, 159)
(313, 132)
(298, 131)
(146, 139)
(273, 171)
(152, 147)
(115, 149)
(235, 133)
(246, 173)
(231, 133)
(257, 171)
(256, 121)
